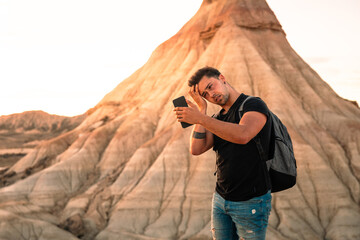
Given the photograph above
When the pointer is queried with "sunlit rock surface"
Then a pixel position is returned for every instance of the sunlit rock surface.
(126, 173)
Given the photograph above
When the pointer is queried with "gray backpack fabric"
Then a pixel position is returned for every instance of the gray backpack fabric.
(281, 162)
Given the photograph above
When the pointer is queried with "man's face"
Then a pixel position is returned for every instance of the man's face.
(214, 90)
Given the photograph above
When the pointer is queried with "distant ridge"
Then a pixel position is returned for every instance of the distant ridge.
(38, 120)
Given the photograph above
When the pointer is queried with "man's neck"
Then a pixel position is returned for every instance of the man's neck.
(234, 95)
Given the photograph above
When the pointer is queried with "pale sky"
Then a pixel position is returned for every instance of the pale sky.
(63, 57)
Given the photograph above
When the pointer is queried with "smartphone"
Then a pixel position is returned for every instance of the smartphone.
(181, 102)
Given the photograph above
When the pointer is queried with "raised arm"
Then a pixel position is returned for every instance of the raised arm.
(201, 139)
(250, 125)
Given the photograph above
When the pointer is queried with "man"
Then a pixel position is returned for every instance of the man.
(242, 200)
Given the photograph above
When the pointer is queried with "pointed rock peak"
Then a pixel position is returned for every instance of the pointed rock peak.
(177, 57)
(252, 14)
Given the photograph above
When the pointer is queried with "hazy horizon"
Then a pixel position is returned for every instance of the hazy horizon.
(63, 58)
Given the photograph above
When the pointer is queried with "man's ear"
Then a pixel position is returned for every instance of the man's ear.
(222, 78)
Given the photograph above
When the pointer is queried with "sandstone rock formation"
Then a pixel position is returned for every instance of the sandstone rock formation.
(20, 133)
(38, 121)
(126, 173)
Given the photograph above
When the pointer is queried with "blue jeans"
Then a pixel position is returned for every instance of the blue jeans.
(240, 220)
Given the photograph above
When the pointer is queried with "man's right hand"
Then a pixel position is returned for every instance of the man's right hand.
(200, 101)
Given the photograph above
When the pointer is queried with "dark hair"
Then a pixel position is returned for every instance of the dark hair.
(206, 71)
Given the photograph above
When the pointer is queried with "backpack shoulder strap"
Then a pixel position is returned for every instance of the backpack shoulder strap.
(259, 147)
(241, 109)
(256, 139)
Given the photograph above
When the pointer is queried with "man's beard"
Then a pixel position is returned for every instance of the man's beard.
(224, 100)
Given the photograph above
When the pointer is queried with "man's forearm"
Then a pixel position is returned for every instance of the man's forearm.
(231, 132)
(199, 138)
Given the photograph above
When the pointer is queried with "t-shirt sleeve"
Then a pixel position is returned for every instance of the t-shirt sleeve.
(257, 105)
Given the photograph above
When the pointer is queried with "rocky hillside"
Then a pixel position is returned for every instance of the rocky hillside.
(38, 121)
(21, 132)
(126, 173)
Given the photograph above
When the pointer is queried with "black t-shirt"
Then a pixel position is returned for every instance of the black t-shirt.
(241, 174)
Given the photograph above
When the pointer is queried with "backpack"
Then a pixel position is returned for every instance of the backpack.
(281, 163)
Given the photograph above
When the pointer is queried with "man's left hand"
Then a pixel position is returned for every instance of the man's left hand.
(189, 114)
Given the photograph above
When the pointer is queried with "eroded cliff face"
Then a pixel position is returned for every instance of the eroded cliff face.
(126, 173)
(20, 133)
